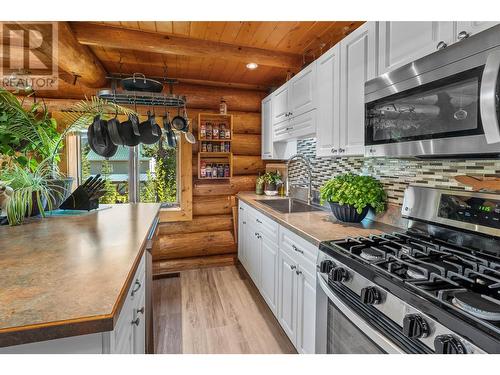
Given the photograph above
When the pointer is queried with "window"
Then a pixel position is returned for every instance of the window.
(157, 172)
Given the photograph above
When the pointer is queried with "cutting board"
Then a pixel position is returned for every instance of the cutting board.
(477, 183)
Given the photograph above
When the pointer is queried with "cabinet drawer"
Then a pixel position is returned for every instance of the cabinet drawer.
(299, 126)
(301, 250)
(265, 226)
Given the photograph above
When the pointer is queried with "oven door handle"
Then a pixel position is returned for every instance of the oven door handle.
(367, 329)
(487, 98)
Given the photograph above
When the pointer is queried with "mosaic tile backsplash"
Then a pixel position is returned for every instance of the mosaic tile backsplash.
(395, 174)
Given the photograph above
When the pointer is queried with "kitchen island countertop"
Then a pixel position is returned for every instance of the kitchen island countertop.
(68, 275)
(316, 226)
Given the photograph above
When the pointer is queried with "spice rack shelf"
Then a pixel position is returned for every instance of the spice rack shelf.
(218, 129)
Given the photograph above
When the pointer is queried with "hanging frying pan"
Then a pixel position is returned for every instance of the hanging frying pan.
(171, 138)
(99, 139)
(139, 82)
(129, 131)
(179, 122)
(188, 135)
(150, 130)
(113, 126)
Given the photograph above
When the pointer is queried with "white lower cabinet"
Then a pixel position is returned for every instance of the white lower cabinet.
(283, 267)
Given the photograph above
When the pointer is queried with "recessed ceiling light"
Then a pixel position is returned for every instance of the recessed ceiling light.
(252, 66)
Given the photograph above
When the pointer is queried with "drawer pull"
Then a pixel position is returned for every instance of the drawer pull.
(136, 289)
(258, 221)
(141, 310)
(136, 321)
(293, 267)
(298, 272)
(297, 249)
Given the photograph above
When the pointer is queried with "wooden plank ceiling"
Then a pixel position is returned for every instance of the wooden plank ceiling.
(303, 40)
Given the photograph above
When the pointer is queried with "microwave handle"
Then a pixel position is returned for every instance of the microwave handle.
(487, 99)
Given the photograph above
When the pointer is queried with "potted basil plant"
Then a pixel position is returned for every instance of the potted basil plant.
(351, 196)
(271, 181)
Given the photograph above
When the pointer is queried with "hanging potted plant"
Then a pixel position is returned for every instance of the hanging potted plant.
(271, 181)
(351, 196)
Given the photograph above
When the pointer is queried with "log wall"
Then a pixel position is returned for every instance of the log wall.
(209, 239)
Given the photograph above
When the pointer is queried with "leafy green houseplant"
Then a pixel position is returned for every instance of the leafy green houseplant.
(351, 196)
(271, 181)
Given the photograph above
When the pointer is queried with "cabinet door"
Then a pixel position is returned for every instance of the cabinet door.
(287, 295)
(357, 65)
(402, 42)
(252, 252)
(242, 234)
(269, 273)
(302, 91)
(328, 92)
(471, 27)
(267, 129)
(279, 105)
(306, 315)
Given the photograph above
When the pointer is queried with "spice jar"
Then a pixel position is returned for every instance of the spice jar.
(223, 107)
(203, 131)
(203, 170)
(227, 147)
(203, 146)
(208, 171)
(209, 146)
(220, 171)
(215, 131)
(227, 133)
(226, 170)
(215, 148)
(208, 131)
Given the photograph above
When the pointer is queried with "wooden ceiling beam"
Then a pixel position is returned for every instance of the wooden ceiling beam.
(113, 37)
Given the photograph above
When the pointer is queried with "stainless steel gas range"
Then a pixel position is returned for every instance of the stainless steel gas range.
(434, 288)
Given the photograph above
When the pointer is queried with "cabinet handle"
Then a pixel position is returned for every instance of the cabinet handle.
(241, 208)
(141, 310)
(138, 284)
(441, 45)
(258, 221)
(136, 321)
(297, 249)
(333, 150)
(290, 113)
(244, 222)
(463, 35)
(293, 267)
(298, 272)
(341, 150)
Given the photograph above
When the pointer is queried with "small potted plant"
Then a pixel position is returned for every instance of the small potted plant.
(259, 185)
(271, 180)
(351, 196)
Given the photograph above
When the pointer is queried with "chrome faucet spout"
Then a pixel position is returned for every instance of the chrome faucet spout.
(307, 163)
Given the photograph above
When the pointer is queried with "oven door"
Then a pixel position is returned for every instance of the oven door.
(449, 111)
(344, 325)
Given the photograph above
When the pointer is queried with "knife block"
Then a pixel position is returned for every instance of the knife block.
(80, 200)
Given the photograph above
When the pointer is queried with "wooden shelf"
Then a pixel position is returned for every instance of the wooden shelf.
(225, 158)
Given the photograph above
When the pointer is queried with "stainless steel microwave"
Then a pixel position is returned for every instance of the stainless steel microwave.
(443, 105)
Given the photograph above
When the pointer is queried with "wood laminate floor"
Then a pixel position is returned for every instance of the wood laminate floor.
(214, 310)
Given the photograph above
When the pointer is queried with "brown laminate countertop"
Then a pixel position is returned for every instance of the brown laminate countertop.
(315, 226)
(68, 275)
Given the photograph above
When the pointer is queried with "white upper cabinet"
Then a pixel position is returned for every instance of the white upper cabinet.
(280, 104)
(357, 65)
(464, 29)
(267, 128)
(328, 94)
(403, 42)
(302, 91)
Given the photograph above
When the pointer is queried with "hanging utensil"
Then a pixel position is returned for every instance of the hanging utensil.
(179, 122)
(188, 135)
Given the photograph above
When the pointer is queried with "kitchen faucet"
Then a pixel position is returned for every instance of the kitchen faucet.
(309, 173)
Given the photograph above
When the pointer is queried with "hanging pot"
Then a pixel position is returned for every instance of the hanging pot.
(179, 122)
(139, 82)
(150, 130)
(171, 138)
(99, 138)
(113, 126)
(129, 131)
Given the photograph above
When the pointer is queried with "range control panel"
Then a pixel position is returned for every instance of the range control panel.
(473, 210)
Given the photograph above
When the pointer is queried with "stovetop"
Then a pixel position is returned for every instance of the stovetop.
(465, 279)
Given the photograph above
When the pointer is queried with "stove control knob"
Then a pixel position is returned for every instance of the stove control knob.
(338, 274)
(370, 296)
(448, 344)
(414, 326)
(325, 266)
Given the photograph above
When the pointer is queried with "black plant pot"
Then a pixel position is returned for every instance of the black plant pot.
(348, 213)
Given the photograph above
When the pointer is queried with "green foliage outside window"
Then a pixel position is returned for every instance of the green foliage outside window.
(161, 183)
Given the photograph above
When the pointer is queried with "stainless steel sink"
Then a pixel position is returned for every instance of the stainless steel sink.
(288, 206)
